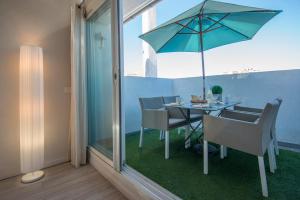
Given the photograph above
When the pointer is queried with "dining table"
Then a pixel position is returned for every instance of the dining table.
(206, 108)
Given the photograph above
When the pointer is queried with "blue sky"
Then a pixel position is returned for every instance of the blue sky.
(275, 47)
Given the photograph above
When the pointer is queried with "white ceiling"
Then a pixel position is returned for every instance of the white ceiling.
(134, 7)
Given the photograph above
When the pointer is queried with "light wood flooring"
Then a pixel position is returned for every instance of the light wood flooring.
(62, 182)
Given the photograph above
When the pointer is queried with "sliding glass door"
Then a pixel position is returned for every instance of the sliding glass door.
(102, 81)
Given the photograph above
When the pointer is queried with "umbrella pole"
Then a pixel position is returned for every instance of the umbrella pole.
(203, 73)
(202, 57)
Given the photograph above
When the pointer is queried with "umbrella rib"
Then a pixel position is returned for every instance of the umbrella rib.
(175, 35)
(202, 8)
(228, 27)
(217, 22)
(213, 29)
(159, 27)
(249, 11)
(186, 26)
(188, 33)
(194, 16)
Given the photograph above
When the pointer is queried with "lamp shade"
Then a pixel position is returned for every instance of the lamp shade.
(31, 108)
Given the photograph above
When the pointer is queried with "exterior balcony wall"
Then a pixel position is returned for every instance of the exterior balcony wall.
(253, 89)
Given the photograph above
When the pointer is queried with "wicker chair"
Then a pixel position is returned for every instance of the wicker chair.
(243, 132)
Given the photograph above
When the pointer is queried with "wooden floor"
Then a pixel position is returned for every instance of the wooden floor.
(62, 182)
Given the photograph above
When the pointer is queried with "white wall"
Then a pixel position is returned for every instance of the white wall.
(136, 87)
(46, 24)
(254, 89)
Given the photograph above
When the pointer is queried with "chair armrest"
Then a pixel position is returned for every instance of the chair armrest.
(236, 134)
(243, 116)
(248, 109)
(155, 119)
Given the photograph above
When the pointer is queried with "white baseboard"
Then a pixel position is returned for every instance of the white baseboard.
(155, 189)
(127, 184)
(56, 162)
(46, 165)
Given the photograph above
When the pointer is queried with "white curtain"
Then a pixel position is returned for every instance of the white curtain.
(78, 116)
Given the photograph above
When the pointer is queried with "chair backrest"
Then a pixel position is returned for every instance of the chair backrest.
(170, 99)
(279, 100)
(266, 123)
(151, 103)
(173, 112)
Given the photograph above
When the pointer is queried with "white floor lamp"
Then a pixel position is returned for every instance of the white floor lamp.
(31, 113)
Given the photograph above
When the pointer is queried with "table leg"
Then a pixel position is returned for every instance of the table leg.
(221, 151)
(199, 147)
(187, 137)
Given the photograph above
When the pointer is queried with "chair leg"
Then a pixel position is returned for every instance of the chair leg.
(221, 151)
(161, 135)
(274, 155)
(263, 177)
(187, 134)
(205, 157)
(274, 161)
(141, 137)
(225, 152)
(167, 145)
(271, 157)
(276, 143)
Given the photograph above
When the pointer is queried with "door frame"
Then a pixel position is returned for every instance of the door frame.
(117, 44)
(117, 65)
(130, 182)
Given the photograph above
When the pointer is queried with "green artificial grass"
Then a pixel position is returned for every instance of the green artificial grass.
(235, 178)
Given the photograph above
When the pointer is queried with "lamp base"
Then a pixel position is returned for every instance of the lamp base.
(32, 177)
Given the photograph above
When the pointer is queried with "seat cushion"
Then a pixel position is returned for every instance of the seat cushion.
(174, 123)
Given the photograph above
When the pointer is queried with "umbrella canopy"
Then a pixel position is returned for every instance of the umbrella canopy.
(208, 25)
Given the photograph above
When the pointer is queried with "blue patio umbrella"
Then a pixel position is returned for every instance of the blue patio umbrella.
(208, 25)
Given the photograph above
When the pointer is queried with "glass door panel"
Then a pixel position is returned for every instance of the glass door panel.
(100, 80)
